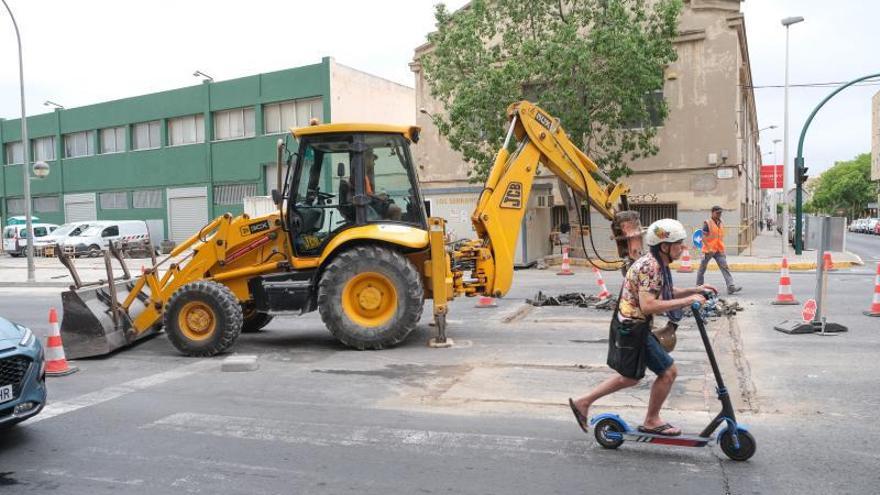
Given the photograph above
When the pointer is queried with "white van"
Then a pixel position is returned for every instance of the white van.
(68, 229)
(15, 237)
(98, 236)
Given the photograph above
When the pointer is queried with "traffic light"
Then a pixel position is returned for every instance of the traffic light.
(800, 172)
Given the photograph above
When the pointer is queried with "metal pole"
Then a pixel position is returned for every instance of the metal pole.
(785, 158)
(25, 144)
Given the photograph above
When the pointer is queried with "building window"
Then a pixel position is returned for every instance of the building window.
(47, 204)
(186, 130)
(113, 140)
(44, 149)
(653, 104)
(79, 144)
(14, 153)
(278, 117)
(235, 123)
(651, 212)
(233, 194)
(145, 136)
(15, 206)
(114, 200)
(147, 198)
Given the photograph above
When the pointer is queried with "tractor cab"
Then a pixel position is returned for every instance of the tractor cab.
(350, 175)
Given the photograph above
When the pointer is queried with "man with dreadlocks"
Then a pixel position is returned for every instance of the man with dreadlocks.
(647, 290)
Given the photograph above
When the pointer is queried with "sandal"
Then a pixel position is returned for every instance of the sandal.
(661, 430)
(581, 419)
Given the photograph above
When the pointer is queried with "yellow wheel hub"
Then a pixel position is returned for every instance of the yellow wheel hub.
(369, 299)
(197, 320)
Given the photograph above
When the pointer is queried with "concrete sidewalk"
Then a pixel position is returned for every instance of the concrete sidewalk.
(764, 254)
(49, 272)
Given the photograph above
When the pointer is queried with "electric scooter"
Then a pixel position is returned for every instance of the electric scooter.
(736, 442)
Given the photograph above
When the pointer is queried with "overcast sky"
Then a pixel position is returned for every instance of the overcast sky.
(87, 51)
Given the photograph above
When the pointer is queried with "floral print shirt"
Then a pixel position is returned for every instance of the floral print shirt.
(643, 275)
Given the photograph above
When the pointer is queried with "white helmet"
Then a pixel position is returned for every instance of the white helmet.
(665, 230)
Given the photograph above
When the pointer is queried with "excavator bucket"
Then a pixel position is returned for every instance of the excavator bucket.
(94, 324)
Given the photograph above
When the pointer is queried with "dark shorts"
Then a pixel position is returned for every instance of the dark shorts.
(657, 359)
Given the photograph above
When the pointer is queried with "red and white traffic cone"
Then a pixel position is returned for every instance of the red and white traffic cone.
(604, 294)
(875, 303)
(784, 295)
(56, 364)
(685, 266)
(566, 267)
(486, 302)
(829, 264)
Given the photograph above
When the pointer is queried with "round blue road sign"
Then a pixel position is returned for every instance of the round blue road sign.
(698, 239)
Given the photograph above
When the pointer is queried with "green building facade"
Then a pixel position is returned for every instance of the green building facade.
(175, 158)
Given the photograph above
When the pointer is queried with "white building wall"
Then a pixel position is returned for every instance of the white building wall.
(356, 96)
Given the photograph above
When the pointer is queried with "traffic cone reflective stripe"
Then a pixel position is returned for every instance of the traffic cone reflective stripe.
(56, 363)
(875, 303)
(486, 302)
(685, 266)
(604, 294)
(566, 267)
(784, 295)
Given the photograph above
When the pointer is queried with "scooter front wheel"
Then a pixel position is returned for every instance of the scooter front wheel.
(609, 433)
(747, 445)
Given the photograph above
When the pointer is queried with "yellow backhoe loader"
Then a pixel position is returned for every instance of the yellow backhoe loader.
(351, 239)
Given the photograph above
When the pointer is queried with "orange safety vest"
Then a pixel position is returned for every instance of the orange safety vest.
(713, 242)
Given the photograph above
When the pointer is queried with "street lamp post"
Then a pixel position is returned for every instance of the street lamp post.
(788, 21)
(25, 144)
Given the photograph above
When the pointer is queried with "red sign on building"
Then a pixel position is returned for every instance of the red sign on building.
(769, 173)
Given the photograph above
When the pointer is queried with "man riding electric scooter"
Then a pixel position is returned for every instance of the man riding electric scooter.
(647, 291)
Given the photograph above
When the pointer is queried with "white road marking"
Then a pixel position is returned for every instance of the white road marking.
(54, 409)
(328, 435)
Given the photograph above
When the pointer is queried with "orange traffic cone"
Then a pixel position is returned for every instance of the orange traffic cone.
(829, 264)
(56, 364)
(784, 296)
(566, 267)
(875, 303)
(604, 294)
(685, 266)
(486, 302)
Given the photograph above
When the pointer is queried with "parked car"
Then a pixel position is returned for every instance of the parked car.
(871, 226)
(67, 229)
(97, 237)
(877, 227)
(22, 374)
(15, 236)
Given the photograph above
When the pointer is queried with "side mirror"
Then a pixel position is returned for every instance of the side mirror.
(276, 197)
(340, 170)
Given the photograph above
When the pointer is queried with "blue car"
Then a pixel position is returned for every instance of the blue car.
(22, 374)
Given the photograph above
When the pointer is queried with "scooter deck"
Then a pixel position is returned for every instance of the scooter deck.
(683, 440)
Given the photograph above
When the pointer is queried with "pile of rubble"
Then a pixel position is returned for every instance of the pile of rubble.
(578, 299)
(718, 308)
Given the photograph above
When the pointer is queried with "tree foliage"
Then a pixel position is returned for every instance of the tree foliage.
(846, 187)
(591, 63)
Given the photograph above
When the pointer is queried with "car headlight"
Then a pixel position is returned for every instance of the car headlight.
(27, 339)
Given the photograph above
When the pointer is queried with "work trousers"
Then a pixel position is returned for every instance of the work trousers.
(721, 259)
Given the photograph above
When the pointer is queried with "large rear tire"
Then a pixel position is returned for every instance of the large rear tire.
(203, 319)
(370, 297)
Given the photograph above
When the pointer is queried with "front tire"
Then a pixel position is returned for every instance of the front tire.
(370, 297)
(609, 433)
(203, 319)
(747, 445)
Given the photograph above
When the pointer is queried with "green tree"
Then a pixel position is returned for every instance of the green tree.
(844, 187)
(597, 65)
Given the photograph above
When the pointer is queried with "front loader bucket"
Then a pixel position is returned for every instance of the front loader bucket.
(88, 327)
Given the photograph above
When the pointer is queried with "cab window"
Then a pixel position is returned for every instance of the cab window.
(110, 231)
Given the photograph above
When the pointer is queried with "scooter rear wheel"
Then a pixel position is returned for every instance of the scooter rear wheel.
(747, 445)
(602, 430)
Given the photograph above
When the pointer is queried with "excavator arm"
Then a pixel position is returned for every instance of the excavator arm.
(536, 138)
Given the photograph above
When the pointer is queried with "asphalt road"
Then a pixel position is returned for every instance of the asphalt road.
(487, 416)
(866, 246)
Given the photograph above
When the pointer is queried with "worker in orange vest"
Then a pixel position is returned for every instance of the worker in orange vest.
(713, 247)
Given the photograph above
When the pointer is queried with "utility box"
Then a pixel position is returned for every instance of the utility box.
(813, 231)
